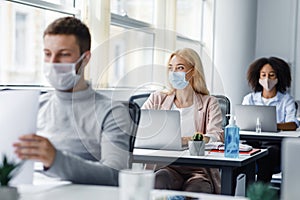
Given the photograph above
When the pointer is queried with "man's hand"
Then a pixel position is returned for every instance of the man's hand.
(35, 147)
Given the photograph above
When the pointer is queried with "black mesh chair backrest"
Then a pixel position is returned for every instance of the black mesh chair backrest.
(139, 98)
(224, 104)
(135, 113)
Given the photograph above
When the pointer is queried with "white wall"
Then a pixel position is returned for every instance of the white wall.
(277, 34)
(249, 29)
(296, 76)
(234, 47)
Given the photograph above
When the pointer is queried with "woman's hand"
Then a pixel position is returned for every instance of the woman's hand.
(288, 126)
(35, 147)
(206, 139)
(185, 140)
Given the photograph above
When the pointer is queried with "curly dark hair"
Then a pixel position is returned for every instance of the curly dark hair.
(71, 26)
(281, 68)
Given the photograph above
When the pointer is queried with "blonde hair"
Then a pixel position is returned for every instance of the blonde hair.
(198, 78)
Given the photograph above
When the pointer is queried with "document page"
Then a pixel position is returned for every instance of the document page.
(18, 116)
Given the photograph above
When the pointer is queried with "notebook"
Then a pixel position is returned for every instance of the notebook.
(17, 117)
(159, 129)
(246, 117)
(290, 169)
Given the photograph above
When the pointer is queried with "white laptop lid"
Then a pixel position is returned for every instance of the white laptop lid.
(290, 169)
(17, 117)
(159, 129)
(246, 116)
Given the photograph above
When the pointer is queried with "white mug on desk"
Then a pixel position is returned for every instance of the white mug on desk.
(135, 184)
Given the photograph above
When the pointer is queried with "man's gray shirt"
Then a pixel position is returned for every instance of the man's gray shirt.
(90, 132)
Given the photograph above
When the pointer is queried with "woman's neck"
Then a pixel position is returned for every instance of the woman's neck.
(269, 94)
(184, 98)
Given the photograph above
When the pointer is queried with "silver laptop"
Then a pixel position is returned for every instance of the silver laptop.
(290, 169)
(246, 116)
(159, 129)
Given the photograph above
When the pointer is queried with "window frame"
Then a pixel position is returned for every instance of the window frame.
(68, 10)
(49, 6)
(115, 20)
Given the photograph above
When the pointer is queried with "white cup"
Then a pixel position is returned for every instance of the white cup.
(135, 184)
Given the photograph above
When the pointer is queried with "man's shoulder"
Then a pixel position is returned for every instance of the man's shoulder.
(106, 101)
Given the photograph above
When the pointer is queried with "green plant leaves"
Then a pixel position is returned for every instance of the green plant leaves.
(197, 137)
(261, 191)
(6, 171)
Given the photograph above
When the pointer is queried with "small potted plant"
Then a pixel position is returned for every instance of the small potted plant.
(261, 191)
(7, 172)
(197, 145)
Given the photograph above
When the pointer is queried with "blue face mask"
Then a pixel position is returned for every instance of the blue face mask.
(177, 79)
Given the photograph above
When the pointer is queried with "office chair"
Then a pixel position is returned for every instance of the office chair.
(297, 104)
(139, 98)
(224, 103)
(135, 113)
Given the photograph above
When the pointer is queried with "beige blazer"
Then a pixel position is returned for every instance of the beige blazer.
(208, 115)
(208, 120)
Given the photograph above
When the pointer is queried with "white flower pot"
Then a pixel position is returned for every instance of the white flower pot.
(9, 193)
(197, 148)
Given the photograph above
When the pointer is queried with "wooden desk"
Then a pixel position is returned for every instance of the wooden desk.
(244, 163)
(268, 136)
(53, 189)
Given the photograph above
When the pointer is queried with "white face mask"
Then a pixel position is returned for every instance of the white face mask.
(268, 84)
(62, 76)
(177, 79)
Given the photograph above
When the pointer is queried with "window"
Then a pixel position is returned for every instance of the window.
(136, 50)
(20, 37)
(22, 24)
(189, 11)
(131, 54)
(139, 50)
(135, 9)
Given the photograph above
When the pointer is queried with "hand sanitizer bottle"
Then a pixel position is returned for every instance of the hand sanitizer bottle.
(258, 125)
(232, 139)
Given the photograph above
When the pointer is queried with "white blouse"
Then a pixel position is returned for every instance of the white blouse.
(187, 120)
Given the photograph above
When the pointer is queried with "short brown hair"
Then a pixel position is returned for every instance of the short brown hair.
(281, 68)
(71, 26)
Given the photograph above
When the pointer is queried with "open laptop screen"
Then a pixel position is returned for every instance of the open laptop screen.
(159, 129)
(246, 117)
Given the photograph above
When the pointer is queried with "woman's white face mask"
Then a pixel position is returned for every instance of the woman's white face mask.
(268, 84)
(62, 76)
(177, 79)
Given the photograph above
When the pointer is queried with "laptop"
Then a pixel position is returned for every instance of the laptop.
(290, 169)
(159, 129)
(246, 117)
(18, 116)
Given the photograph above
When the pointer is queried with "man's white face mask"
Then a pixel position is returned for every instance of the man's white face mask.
(62, 76)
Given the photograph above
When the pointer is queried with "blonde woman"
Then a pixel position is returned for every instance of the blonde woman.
(199, 111)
